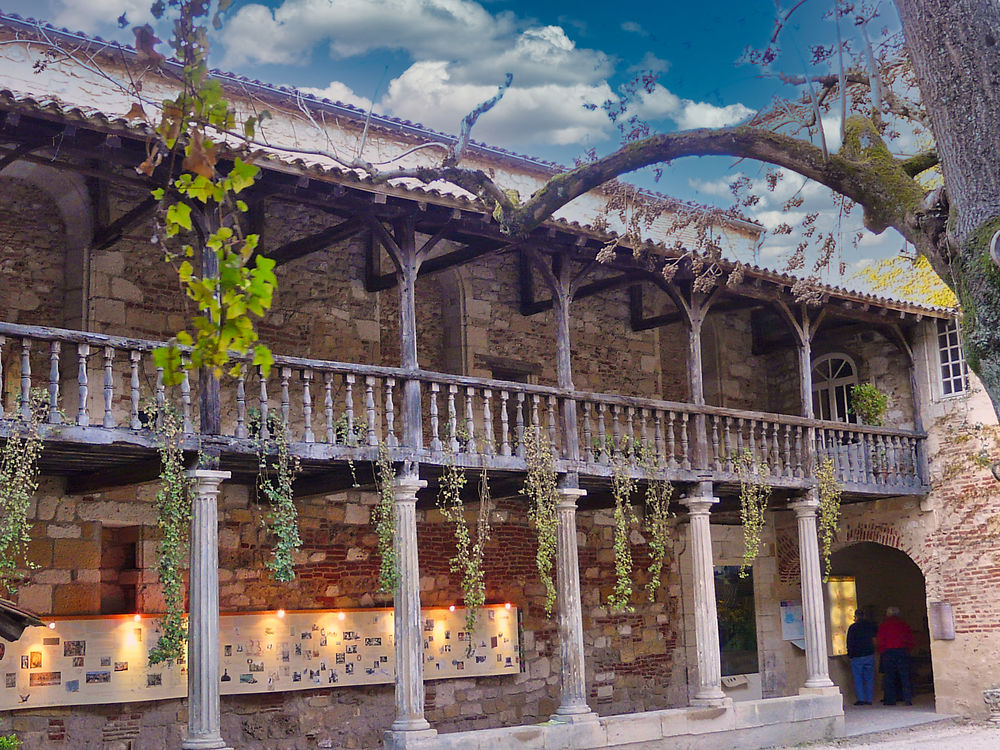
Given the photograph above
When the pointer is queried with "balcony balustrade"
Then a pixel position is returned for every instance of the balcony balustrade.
(102, 390)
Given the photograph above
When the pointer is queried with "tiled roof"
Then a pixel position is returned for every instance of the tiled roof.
(320, 168)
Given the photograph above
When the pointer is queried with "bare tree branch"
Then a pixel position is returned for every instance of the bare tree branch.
(921, 162)
(458, 150)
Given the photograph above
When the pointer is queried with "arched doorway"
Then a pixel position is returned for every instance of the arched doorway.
(884, 577)
(832, 378)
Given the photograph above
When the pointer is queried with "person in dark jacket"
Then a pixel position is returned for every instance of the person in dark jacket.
(861, 652)
(894, 640)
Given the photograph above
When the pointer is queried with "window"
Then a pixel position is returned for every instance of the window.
(737, 621)
(833, 375)
(954, 374)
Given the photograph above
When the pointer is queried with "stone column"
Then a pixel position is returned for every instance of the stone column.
(410, 723)
(573, 699)
(813, 617)
(706, 618)
(204, 725)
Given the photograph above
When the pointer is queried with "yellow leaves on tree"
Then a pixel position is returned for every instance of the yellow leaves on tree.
(909, 278)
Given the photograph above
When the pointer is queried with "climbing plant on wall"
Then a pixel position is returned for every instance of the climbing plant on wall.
(659, 493)
(829, 491)
(384, 520)
(277, 470)
(540, 487)
(754, 493)
(623, 486)
(173, 517)
(18, 482)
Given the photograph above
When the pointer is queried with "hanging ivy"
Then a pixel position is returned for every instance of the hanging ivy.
(18, 482)
(274, 481)
(173, 517)
(829, 510)
(623, 485)
(659, 493)
(754, 493)
(541, 488)
(384, 518)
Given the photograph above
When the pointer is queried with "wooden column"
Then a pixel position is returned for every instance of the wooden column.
(804, 331)
(918, 421)
(694, 306)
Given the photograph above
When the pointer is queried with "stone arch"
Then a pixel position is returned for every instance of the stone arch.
(69, 193)
(453, 290)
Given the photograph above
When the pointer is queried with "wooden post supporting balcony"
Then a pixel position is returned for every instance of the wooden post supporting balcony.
(694, 307)
(210, 400)
(805, 330)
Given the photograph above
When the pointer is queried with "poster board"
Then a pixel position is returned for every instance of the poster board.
(97, 660)
(792, 627)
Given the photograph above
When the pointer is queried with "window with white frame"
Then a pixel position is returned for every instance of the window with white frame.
(832, 378)
(954, 374)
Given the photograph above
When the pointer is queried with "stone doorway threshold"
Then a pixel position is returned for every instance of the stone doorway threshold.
(860, 720)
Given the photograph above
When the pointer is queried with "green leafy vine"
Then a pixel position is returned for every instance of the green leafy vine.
(623, 485)
(18, 482)
(275, 480)
(384, 518)
(829, 491)
(754, 493)
(173, 517)
(659, 493)
(540, 486)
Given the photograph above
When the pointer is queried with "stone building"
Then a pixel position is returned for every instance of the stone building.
(404, 313)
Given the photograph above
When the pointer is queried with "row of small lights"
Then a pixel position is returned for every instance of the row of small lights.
(280, 614)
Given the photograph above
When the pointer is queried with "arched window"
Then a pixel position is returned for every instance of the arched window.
(832, 378)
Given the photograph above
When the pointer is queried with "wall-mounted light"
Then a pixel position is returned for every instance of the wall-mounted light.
(451, 608)
(341, 615)
(280, 613)
(507, 605)
(52, 626)
(137, 618)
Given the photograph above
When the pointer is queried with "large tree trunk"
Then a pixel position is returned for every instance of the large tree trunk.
(955, 49)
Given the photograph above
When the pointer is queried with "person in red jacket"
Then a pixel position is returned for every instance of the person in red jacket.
(894, 641)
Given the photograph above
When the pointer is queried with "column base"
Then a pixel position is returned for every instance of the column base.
(216, 743)
(402, 739)
(721, 701)
(574, 715)
(830, 689)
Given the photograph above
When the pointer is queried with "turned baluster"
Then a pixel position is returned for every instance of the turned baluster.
(798, 452)
(307, 407)
(786, 453)
(286, 404)
(109, 386)
(83, 387)
(602, 432)
(488, 446)
(741, 425)
(264, 431)
(504, 424)
(535, 422)
(452, 419)
(658, 437)
(370, 411)
(716, 458)
(470, 424)
(588, 448)
(331, 429)
(133, 361)
(779, 467)
(241, 405)
(187, 427)
(390, 414)
(630, 429)
(727, 443)
(26, 379)
(616, 437)
(671, 442)
(849, 450)
(519, 424)
(686, 460)
(161, 398)
(435, 445)
(350, 436)
(54, 416)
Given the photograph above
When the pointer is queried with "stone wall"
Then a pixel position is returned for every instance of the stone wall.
(634, 661)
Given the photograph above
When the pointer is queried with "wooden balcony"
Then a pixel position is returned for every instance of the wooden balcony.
(97, 430)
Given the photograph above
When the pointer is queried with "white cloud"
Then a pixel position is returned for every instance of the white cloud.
(92, 15)
(634, 28)
(705, 115)
(339, 92)
(548, 113)
(650, 62)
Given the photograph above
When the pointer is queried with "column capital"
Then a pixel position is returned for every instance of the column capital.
(568, 497)
(805, 506)
(699, 505)
(405, 488)
(207, 478)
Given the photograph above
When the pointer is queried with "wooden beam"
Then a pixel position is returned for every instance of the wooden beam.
(106, 236)
(380, 282)
(320, 241)
(137, 472)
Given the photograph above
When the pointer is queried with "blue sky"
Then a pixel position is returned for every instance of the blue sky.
(432, 60)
